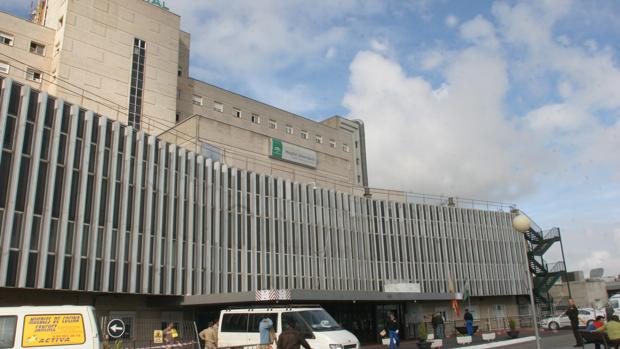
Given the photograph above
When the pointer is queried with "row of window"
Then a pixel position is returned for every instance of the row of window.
(31, 74)
(35, 47)
(273, 124)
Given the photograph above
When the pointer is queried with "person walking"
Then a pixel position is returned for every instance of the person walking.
(209, 335)
(392, 329)
(469, 322)
(265, 328)
(438, 325)
(291, 338)
(573, 316)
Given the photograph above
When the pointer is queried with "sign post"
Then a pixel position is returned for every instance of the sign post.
(116, 328)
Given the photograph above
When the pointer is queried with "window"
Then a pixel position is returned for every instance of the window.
(304, 134)
(180, 71)
(37, 48)
(256, 318)
(345, 148)
(255, 118)
(217, 106)
(197, 100)
(273, 124)
(6, 39)
(234, 323)
(318, 139)
(137, 83)
(177, 117)
(33, 75)
(358, 179)
(179, 94)
(4, 67)
(289, 129)
(237, 112)
(61, 21)
(357, 161)
(332, 143)
(7, 331)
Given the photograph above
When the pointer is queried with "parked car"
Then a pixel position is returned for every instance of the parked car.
(586, 316)
(239, 327)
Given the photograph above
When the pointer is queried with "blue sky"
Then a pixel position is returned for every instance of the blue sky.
(498, 100)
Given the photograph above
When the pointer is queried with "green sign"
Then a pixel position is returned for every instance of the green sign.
(292, 153)
(158, 3)
(276, 148)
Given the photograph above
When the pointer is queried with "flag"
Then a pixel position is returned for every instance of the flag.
(452, 290)
(455, 306)
(466, 291)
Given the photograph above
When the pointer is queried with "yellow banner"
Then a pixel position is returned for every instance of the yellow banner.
(53, 330)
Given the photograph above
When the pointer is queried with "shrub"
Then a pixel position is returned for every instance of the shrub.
(511, 324)
(422, 331)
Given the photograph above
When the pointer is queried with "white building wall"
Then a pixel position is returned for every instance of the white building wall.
(115, 210)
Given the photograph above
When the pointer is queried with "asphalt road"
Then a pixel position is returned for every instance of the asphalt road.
(563, 339)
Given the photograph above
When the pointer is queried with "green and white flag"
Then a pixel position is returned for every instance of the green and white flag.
(466, 291)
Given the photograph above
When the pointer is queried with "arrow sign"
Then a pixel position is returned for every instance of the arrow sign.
(116, 328)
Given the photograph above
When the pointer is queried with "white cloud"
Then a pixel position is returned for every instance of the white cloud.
(479, 31)
(452, 21)
(557, 117)
(432, 60)
(380, 46)
(453, 141)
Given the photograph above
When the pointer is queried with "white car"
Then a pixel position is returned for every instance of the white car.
(586, 316)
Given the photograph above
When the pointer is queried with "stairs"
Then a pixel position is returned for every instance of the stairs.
(545, 274)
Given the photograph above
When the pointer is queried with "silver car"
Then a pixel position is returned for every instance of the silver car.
(586, 317)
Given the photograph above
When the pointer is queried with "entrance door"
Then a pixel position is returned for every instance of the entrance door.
(381, 318)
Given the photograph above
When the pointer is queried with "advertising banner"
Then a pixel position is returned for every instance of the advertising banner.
(53, 330)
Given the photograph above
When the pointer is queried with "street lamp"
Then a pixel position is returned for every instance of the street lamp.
(522, 224)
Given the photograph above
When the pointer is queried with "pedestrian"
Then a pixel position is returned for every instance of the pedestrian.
(291, 338)
(469, 322)
(609, 311)
(597, 323)
(209, 335)
(392, 329)
(573, 316)
(171, 335)
(611, 328)
(267, 334)
(438, 325)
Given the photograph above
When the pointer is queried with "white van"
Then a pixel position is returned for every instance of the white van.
(240, 327)
(49, 326)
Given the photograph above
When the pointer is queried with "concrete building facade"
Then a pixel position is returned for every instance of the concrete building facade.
(129, 60)
(123, 181)
(93, 206)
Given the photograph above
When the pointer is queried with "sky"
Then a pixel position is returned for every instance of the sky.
(511, 101)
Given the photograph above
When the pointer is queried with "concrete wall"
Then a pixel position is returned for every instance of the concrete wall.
(95, 58)
(18, 56)
(591, 294)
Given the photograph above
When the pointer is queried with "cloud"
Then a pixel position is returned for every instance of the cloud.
(453, 140)
(451, 21)
(378, 45)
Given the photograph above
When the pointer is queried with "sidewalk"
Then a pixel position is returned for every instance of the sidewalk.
(449, 343)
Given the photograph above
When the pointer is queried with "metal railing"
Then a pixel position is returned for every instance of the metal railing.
(140, 334)
(482, 325)
(552, 233)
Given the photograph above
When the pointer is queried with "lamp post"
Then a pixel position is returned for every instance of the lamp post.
(522, 224)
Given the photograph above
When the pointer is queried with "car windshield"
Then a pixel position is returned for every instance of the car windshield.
(319, 320)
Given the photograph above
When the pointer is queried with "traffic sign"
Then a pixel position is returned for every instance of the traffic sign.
(116, 328)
